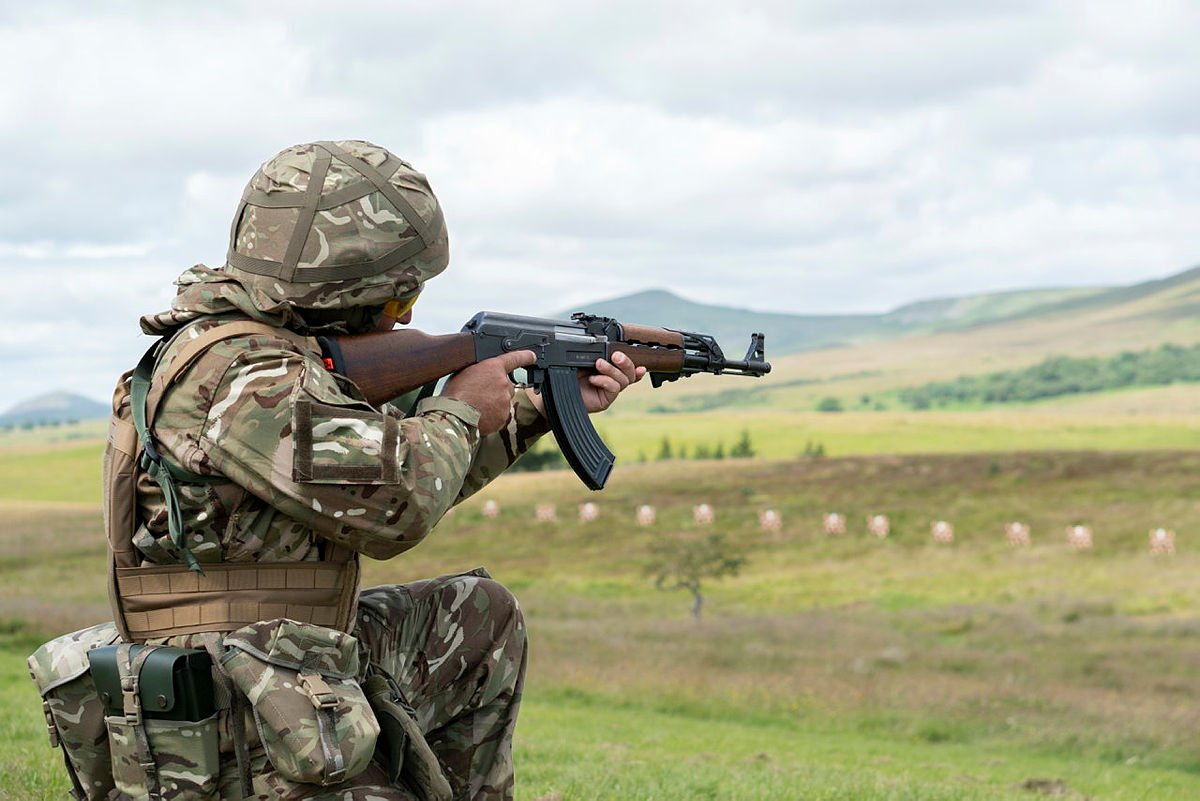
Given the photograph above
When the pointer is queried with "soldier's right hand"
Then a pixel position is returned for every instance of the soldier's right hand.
(486, 387)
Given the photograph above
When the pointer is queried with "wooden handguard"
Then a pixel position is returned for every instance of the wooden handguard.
(649, 335)
(655, 360)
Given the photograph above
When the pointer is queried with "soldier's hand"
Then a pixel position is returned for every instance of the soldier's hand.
(600, 388)
(486, 387)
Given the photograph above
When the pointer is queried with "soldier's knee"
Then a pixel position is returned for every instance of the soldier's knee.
(500, 601)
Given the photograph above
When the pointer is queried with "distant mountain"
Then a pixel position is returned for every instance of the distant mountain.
(790, 333)
(54, 407)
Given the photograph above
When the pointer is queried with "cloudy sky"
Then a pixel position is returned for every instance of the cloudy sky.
(795, 156)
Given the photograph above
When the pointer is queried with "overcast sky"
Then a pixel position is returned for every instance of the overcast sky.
(795, 156)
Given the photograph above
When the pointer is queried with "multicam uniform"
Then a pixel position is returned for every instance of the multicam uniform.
(455, 645)
(300, 465)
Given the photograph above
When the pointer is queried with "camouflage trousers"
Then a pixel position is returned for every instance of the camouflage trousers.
(455, 646)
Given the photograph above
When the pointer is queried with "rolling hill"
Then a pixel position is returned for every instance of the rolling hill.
(859, 358)
(52, 409)
(789, 333)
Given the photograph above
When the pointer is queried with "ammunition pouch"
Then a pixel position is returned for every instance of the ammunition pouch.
(313, 719)
(173, 684)
(161, 719)
(74, 713)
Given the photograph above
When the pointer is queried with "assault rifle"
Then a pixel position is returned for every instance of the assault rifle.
(388, 364)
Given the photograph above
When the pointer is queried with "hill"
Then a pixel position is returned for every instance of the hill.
(790, 333)
(53, 408)
(943, 340)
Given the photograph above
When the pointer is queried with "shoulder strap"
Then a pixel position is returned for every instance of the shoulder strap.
(147, 390)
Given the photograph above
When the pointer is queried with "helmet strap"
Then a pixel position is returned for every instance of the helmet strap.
(304, 220)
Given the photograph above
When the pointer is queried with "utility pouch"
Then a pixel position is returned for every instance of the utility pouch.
(178, 759)
(74, 712)
(173, 684)
(313, 719)
(161, 721)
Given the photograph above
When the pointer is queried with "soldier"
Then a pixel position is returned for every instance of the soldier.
(276, 474)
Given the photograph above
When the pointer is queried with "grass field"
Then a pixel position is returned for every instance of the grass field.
(831, 668)
(63, 465)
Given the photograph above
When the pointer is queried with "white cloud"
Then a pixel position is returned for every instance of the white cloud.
(822, 155)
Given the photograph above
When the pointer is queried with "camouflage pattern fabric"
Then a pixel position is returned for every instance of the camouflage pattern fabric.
(306, 458)
(327, 233)
(367, 250)
(60, 669)
(303, 460)
(314, 719)
(185, 754)
(362, 229)
(456, 647)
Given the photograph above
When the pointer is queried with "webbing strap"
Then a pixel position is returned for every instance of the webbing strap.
(335, 272)
(304, 220)
(152, 462)
(130, 671)
(238, 708)
(428, 231)
(340, 197)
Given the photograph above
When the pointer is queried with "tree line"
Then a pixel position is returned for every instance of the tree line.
(1063, 375)
(546, 455)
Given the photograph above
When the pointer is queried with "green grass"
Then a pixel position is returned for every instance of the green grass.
(576, 744)
(783, 435)
(831, 668)
(68, 473)
(622, 751)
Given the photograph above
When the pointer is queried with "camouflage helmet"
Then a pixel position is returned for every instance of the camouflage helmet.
(336, 225)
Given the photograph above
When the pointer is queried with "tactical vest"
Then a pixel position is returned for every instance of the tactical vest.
(149, 600)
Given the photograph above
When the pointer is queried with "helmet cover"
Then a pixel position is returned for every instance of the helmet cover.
(336, 226)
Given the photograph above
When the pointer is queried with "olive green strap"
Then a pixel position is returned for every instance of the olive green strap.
(152, 462)
(305, 214)
(232, 700)
(165, 473)
(129, 670)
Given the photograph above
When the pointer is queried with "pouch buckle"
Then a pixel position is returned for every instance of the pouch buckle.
(133, 704)
(50, 727)
(319, 692)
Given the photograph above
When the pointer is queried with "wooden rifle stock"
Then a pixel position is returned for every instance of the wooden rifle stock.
(388, 364)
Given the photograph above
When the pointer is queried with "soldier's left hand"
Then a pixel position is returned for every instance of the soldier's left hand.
(600, 388)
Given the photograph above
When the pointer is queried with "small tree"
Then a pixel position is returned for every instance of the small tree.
(829, 404)
(742, 449)
(664, 449)
(679, 563)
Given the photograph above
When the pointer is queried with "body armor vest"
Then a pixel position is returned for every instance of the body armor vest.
(151, 601)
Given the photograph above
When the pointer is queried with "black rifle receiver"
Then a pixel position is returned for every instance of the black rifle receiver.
(565, 346)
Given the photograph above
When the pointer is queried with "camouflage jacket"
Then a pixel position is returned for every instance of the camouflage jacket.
(306, 458)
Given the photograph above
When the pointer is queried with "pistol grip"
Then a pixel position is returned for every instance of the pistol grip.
(587, 454)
